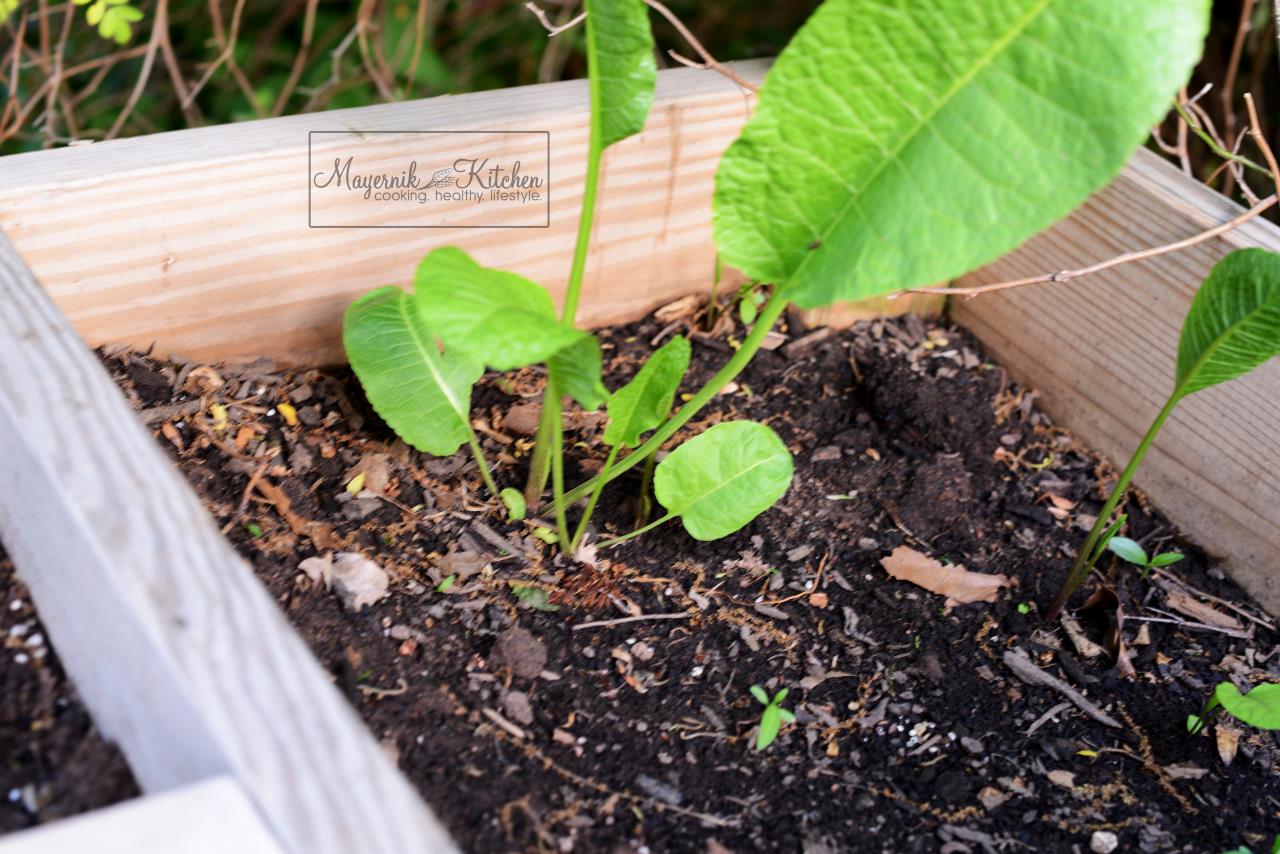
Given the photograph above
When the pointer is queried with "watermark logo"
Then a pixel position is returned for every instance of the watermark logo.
(429, 179)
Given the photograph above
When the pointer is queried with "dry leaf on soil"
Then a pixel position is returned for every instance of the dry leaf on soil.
(1197, 610)
(958, 584)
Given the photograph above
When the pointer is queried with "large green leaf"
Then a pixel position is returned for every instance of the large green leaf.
(900, 144)
(621, 66)
(423, 394)
(501, 318)
(645, 402)
(577, 370)
(1260, 707)
(1233, 325)
(723, 478)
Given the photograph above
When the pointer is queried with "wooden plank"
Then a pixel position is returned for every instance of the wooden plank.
(1102, 350)
(212, 817)
(181, 655)
(177, 238)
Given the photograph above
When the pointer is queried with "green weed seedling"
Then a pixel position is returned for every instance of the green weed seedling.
(1244, 849)
(1232, 327)
(854, 158)
(773, 717)
(1259, 708)
(1129, 550)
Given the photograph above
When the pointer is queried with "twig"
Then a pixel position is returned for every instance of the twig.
(1184, 157)
(708, 60)
(1127, 258)
(1020, 663)
(1255, 131)
(159, 24)
(300, 61)
(1201, 627)
(601, 624)
(506, 725)
(1227, 91)
(1173, 580)
(553, 29)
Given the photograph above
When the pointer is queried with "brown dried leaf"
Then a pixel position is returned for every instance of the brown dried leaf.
(1228, 741)
(958, 584)
(1198, 611)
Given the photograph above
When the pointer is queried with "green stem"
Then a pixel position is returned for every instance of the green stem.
(557, 470)
(1080, 569)
(608, 544)
(573, 291)
(595, 496)
(646, 487)
(769, 315)
(476, 451)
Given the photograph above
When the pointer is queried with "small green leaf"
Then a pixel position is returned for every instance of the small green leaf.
(747, 311)
(545, 534)
(1166, 559)
(254, 529)
(443, 586)
(781, 695)
(534, 597)
(721, 479)
(513, 500)
(1194, 724)
(621, 66)
(498, 317)
(787, 716)
(645, 402)
(1260, 707)
(1233, 325)
(770, 723)
(759, 694)
(94, 13)
(962, 126)
(577, 372)
(424, 395)
(1128, 550)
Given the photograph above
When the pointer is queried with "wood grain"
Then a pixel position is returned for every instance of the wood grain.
(178, 651)
(211, 817)
(1102, 351)
(198, 241)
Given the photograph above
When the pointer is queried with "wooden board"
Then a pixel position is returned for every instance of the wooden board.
(177, 649)
(212, 817)
(177, 238)
(1102, 351)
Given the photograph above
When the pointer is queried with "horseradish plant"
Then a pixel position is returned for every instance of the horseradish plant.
(1232, 327)
(893, 145)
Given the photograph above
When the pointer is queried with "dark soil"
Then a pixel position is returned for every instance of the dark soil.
(527, 731)
(53, 763)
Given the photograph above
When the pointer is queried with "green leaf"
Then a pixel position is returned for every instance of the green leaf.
(723, 478)
(499, 317)
(781, 695)
(1260, 707)
(900, 144)
(513, 500)
(770, 723)
(1166, 559)
(576, 370)
(621, 66)
(1233, 325)
(645, 402)
(534, 597)
(758, 692)
(1128, 550)
(424, 395)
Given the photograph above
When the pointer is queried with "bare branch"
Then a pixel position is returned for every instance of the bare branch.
(708, 60)
(553, 29)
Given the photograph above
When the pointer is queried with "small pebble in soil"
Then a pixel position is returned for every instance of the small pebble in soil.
(1103, 842)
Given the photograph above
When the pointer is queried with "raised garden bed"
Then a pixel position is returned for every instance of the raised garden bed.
(538, 702)
(181, 653)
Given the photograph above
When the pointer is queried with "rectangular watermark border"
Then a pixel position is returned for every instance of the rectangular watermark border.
(312, 133)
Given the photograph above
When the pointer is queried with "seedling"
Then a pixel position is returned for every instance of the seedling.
(1232, 327)
(773, 717)
(1259, 708)
(818, 200)
(1129, 550)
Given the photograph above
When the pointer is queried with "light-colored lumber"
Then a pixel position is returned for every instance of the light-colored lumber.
(1102, 351)
(197, 241)
(212, 817)
(179, 652)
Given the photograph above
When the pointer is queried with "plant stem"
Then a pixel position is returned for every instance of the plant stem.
(769, 315)
(573, 290)
(608, 544)
(1080, 569)
(595, 496)
(557, 465)
(476, 451)
(646, 486)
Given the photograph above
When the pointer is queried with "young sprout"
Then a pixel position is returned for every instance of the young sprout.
(1129, 550)
(773, 717)
(1259, 708)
